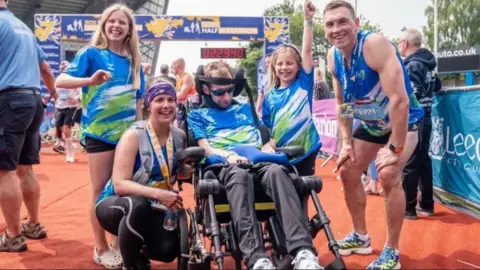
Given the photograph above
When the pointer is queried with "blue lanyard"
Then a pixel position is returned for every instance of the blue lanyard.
(351, 82)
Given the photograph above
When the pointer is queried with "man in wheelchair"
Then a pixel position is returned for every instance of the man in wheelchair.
(219, 127)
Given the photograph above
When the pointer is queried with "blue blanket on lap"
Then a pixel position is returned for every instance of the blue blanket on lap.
(252, 154)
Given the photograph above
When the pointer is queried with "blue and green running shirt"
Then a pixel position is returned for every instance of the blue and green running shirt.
(361, 85)
(287, 112)
(156, 178)
(107, 109)
(225, 129)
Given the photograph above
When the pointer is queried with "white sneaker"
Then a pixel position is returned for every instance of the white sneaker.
(263, 263)
(70, 150)
(305, 259)
(71, 159)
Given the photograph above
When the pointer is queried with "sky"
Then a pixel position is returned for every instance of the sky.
(391, 15)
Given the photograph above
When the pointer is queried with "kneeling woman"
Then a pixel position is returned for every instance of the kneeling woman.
(124, 207)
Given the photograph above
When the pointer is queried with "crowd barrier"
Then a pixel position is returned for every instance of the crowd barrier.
(454, 145)
(455, 148)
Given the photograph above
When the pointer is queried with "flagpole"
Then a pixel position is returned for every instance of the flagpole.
(435, 24)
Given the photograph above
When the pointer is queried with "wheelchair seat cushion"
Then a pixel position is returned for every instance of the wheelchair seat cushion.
(252, 154)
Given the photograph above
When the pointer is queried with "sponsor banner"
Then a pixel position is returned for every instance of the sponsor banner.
(325, 119)
(455, 149)
(166, 27)
(277, 32)
(48, 30)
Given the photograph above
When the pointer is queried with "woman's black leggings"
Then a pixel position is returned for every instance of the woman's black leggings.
(136, 224)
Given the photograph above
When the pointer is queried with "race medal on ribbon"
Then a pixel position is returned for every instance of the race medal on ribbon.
(346, 110)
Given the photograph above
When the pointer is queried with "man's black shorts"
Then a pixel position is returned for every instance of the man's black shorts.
(362, 134)
(77, 116)
(21, 114)
(93, 145)
(64, 117)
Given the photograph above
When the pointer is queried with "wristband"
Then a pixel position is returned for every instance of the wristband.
(308, 23)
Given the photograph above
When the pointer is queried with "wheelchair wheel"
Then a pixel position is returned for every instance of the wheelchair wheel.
(182, 261)
(238, 264)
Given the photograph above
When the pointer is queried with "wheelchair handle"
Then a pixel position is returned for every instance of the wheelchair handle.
(207, 187)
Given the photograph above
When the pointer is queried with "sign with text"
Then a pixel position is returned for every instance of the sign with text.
(325, 119)
(167, 27)
(459, 59)
(223, 53)
(455, 149)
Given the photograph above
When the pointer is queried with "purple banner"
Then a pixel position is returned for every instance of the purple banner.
(325, 119)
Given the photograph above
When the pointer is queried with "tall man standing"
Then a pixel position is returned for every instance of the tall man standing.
(372, 85)
(185, 82)
(421, 65)
(21, 114)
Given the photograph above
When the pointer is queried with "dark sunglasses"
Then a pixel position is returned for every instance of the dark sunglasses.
(222, 92)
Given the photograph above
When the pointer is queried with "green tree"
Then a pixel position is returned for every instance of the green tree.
(458, 25)
(366, 24)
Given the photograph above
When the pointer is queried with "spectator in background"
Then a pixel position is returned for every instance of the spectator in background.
(263, 84)
(66, 107)
(420, 64)
(321, 90)
(164, 71)
(22, 63)
(147, 67)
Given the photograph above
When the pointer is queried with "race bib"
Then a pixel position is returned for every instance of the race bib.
(63, 95)
(346, 110)
(368, 110)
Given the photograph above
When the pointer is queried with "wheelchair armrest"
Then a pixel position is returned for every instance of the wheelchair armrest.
(291, 151)
(191, 155)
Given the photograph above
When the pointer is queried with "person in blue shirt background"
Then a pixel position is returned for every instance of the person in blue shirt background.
(220, 128)
(110, 74)
(21, 115)
(287, 108)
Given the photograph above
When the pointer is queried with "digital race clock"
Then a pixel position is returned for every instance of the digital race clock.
(223, 53)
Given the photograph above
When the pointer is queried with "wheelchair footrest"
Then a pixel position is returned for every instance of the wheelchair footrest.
(206, 187)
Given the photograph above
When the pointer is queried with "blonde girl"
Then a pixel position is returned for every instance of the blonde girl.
(287, 108)
(110, 74)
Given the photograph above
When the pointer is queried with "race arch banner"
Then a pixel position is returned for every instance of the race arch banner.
(455, 149)
(52, 29)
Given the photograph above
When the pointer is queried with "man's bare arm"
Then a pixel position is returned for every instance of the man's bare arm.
(187, 84)
(345, 124)
(381, 56)
(209, 150)
(139, 110)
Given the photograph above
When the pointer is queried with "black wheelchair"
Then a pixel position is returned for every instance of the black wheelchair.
(211, 219)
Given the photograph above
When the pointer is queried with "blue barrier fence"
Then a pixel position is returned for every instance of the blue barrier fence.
(455, 148)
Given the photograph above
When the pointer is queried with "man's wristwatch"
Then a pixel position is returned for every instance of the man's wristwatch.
(395, 149)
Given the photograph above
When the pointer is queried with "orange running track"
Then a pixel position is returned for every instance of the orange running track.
(448, 240)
